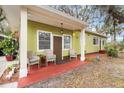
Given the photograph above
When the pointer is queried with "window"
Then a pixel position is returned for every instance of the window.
(67, 42)
(103, 42)
(44, 40)
(95, 41)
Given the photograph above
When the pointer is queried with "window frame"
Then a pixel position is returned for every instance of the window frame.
(70, 41)
(51, 40)
(96, 38)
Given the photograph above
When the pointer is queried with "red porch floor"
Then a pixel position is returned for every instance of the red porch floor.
(52, 70)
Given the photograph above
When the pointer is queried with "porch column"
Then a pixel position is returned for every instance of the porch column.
(23, 42)
(82, 44)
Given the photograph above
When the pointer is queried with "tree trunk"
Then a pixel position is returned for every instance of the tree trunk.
(114, 35)
(114, 24)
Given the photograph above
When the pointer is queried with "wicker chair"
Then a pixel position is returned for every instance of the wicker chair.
(32, 59)
(50, 57)
(73, 54)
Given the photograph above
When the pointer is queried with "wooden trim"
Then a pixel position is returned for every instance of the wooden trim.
(51, 40)
(70, 41)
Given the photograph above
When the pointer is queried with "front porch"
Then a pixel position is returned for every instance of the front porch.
(35, 75)
(43, 73)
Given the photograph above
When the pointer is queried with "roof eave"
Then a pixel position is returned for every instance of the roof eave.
(96, 34)
(62, 14)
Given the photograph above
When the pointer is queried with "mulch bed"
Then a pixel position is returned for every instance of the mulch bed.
(14, 77)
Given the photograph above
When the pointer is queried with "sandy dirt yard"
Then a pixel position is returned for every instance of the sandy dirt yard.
(108, 73)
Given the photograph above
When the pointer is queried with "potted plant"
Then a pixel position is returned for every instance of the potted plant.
(9, 47)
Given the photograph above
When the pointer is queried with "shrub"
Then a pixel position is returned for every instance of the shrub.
(8, 45)
(112, 49)
(112, 52)
(121, 46)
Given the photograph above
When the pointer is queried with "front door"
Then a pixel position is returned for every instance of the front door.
(57, 48)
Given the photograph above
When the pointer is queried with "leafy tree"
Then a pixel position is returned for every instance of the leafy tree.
(106, 19)
(4, 26)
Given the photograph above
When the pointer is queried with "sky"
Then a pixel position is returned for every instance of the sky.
(118, 37)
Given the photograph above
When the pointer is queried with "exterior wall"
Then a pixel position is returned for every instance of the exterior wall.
(90, 47)
(76, 41)
(32, 36)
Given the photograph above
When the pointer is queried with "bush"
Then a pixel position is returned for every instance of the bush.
(8, 45)
(121, 46)
(112, 50)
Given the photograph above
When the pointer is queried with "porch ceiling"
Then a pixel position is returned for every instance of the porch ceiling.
(42, 14)
(47, 15)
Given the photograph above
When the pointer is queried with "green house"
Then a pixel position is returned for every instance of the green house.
(94, 42)
(42, 27)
